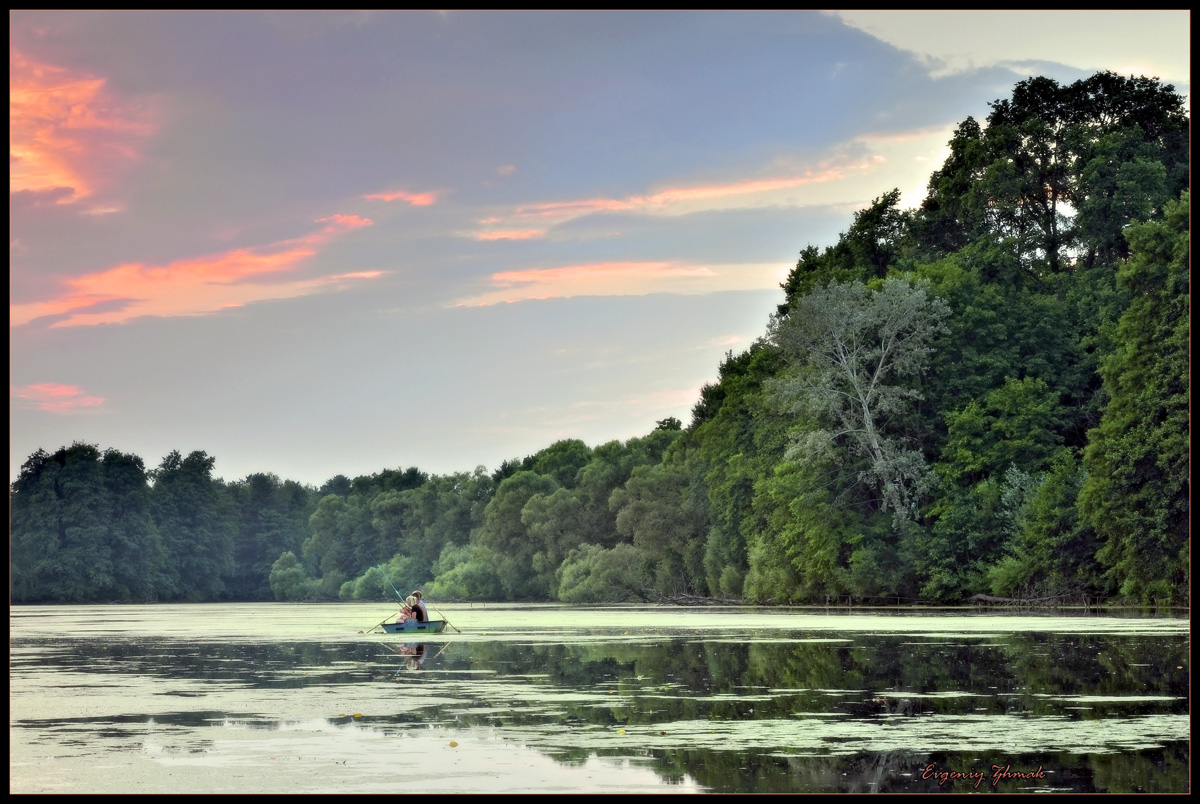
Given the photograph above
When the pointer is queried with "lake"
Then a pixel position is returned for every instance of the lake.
(296, 698)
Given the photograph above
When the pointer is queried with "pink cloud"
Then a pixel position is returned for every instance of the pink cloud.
(191, 286)
(597, 279)
(573, 209)
(416, 199)
(622, 279)
(55, 398)
(599, 272)
(748, 187)
(354, 275)
(343, 223)
(69, 135)
(512, 234)
(677, 195)
(671, 199)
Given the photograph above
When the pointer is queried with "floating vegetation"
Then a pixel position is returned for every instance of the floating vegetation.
(775, 708)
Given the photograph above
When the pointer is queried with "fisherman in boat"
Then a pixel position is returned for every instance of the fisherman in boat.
(406, 611)
(419, 606)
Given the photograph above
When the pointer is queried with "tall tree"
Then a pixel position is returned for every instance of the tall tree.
(139, 555)
(554, 524)
(1060, 170)
(737, 445)
(868, 250)
(272, 519)
(505, 534)
(343, 543)
(440, 513)
(609, 469)
(60, 539)
(1138, 459)
(661, 510)
(562, 461)
(196, 518)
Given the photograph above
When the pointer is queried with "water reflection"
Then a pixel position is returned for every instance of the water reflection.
(781, 710)
(414, 655)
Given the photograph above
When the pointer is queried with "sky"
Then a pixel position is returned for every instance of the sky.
(320, 243)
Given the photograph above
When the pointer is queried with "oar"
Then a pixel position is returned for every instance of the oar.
(439, 611)
(376, 625)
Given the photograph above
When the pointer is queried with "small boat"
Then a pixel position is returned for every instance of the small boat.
(415, 627)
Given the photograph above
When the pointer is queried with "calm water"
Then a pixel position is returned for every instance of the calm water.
(296, 698)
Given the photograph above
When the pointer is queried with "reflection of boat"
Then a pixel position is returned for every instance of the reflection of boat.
(414, 627)
(415, 654)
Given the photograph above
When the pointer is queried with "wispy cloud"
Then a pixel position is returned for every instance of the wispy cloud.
(621, 279)
(847, 173)
(68, 134)
(194, 286)
(675, 200)
(56, 398)
(678, 199)
(598, 279)
(416, 199)
(598, 272)
(511, 234)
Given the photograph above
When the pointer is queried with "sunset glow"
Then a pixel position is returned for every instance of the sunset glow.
(67, 134)
(601, 273)
(670, 199)
(329, 241)
(416, 199)
(56, 398)
(512, 234)
(192, 286)
(621, 279)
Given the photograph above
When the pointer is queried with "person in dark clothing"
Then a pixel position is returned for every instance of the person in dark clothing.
(418, 608)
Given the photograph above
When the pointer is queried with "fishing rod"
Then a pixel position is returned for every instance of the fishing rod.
(397, 591)
(394, 589)
(389, 580)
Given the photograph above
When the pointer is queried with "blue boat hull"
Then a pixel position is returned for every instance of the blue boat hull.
(414, 627)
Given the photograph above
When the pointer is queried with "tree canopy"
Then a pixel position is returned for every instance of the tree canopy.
(987, 394)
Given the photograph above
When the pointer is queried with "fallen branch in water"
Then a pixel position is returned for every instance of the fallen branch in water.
(684, 599)
(1017, 601)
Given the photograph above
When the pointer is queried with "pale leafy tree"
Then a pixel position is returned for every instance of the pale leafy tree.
(855, 356)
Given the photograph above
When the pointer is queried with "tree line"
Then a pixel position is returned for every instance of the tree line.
(983, 396)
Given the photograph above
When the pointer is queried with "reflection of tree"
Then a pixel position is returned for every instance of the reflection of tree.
(1154, 771)
(735, 705)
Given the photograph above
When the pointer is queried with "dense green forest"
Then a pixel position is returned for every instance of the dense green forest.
(985, 395)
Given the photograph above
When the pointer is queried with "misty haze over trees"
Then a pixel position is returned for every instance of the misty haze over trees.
(987, 395)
